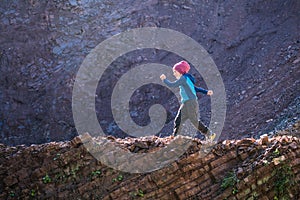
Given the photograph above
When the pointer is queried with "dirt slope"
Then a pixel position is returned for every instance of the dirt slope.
(42, 44)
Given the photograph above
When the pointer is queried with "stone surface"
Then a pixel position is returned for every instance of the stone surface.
(68, 171)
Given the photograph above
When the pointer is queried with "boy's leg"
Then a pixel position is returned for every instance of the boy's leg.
(179, 119)
(192, 108)
(202, 128)
(209, 135)
(177, 122)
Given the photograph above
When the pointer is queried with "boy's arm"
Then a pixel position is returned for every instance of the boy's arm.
(199, 89)
(176, 83)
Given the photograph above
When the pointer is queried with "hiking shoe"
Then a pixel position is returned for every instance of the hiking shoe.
(210, 137)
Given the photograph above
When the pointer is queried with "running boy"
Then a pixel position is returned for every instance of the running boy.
(189, 105)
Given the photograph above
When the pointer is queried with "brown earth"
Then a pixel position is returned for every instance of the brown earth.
(267, 168)
(255, 45)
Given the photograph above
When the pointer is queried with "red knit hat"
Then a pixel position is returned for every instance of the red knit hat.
(182, 67)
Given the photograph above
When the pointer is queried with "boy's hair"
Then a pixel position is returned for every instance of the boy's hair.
(182, 67)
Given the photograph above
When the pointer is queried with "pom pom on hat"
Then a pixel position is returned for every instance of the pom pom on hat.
(182, 67)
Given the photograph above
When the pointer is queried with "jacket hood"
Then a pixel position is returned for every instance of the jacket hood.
(191, 77)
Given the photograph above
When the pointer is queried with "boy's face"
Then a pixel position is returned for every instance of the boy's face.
(176, 74)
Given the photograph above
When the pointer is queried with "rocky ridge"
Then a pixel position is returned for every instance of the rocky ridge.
(266, 168)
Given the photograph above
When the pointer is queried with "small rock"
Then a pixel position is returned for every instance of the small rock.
(294, 145)
(86, 137)
(186, 7)
(269, 120)
(73, 2)
(296, 61)
(278, 160)
(10, 180)
(264, 139)
(76, 141)
(240, 172)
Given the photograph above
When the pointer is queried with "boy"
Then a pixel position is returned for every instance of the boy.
(189, 105)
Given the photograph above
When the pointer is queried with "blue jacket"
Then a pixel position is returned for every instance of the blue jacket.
(187, 88)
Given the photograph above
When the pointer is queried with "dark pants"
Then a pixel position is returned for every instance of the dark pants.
(189, 110)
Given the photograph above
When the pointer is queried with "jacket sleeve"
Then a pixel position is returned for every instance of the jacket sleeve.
(176, 83)
(199, 89)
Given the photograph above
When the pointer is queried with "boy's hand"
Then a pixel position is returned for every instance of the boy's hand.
(210, 92)
(162, 77)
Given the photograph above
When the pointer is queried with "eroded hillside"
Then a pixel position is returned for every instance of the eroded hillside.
(255, 45)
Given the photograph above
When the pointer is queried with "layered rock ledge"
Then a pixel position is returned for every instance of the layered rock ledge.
(267, 168)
